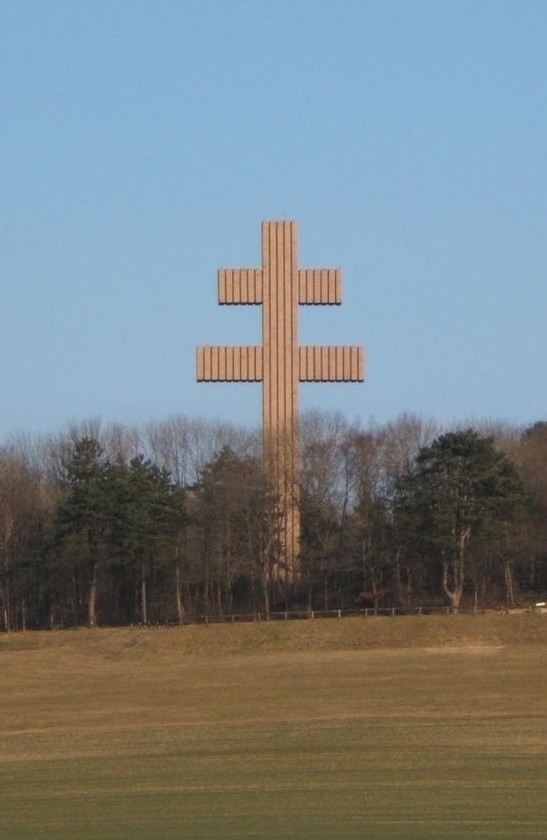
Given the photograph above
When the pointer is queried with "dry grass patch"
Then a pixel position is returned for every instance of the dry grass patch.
(385, 728)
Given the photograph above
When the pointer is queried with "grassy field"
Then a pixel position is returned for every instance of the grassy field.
(420, 727)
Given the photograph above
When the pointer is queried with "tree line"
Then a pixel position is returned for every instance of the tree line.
(113, 525)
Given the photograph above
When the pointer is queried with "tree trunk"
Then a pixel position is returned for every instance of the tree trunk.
(408, 587)
(5, 595)
(92, 600)
(75, 600)
(453, 595)
(178, 593)
(144, 604)
(218, 597)
(4, 600)
(455, 569)
(509, 590)
(266, 596)
(375, 594)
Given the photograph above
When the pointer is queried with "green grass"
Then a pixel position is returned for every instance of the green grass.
(431, 727)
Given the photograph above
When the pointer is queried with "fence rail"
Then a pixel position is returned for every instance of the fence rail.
(310, 615)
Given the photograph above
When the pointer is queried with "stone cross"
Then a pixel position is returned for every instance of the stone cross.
(280, 363)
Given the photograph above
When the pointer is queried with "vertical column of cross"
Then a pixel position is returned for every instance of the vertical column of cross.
(281, 376)
(280, 363)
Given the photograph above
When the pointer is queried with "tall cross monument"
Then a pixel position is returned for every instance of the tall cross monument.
(280, 363)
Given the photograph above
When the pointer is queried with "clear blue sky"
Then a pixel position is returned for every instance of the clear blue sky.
(142, 144)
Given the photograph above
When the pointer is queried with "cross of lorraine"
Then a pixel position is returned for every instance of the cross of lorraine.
(281, 363)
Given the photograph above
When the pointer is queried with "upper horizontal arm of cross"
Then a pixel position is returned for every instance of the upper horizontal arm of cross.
(320, 286)
(240, 285)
